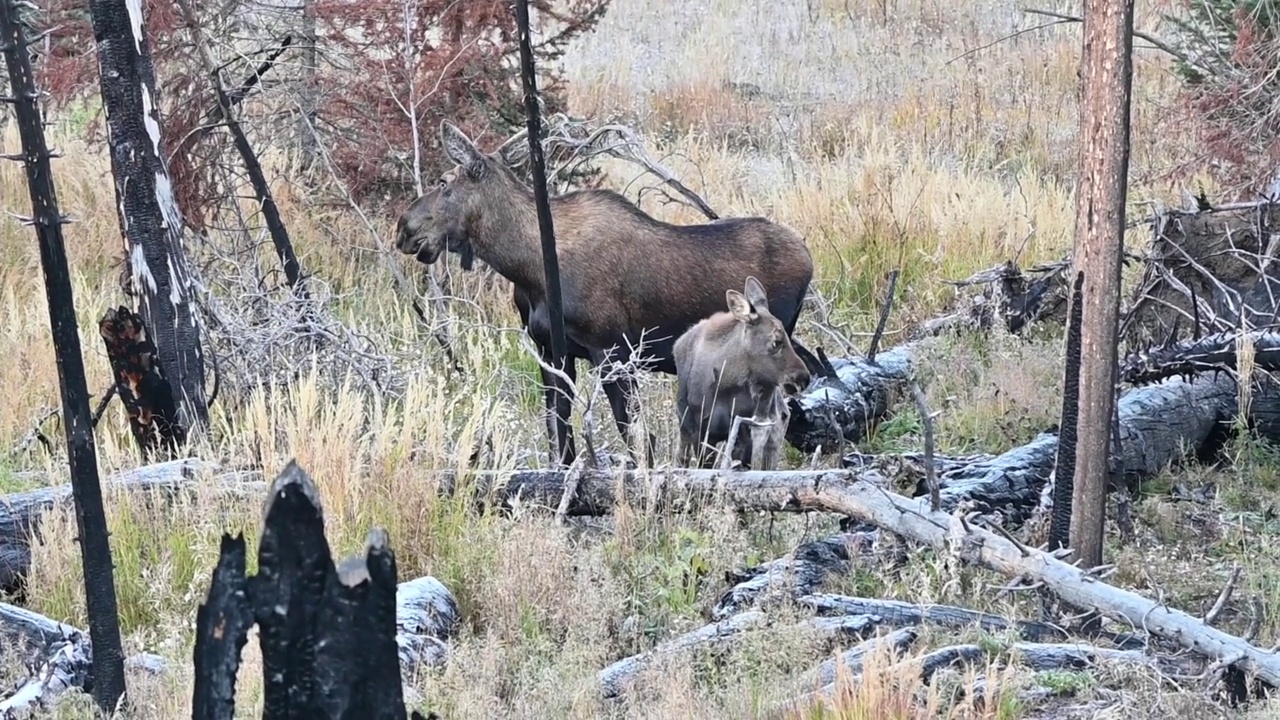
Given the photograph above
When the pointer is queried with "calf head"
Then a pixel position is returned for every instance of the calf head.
(768, 358)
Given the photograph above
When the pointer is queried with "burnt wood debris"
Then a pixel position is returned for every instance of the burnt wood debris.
(327, 632)
(91, 520)
(157, 268)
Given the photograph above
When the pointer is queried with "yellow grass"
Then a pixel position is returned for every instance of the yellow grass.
(876, 128)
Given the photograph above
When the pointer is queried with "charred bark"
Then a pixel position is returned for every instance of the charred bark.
(91, 518)
(1210, 270)
(800, 573)
(151, 223)
(558, 350)
(1010, 297)
(328, 633)
(843, 406)
(1209, 354)
(1068, 424)
(142, 387)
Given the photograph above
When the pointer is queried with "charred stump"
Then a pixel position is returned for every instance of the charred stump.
(91, 518)
(328, 633)
(1207, 270)
(140, 383)
(151, 223)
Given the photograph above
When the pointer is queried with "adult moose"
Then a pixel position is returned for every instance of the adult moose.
(623, 273)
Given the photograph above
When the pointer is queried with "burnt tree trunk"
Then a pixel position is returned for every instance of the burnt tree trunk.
(1068, 428)
(153, 417)
(328, 633)
(546, 228)
(1106, 72)
(150, 220)
(91, 518)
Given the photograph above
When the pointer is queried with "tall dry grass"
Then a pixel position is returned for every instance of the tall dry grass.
(879, 130)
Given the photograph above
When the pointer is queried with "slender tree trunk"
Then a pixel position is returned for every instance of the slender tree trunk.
(91, 519)
(308, 91)
(1106, 72)
(150, 219)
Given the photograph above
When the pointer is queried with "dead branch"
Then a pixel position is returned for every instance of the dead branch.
(619, 677)
(801, 572)
(884, 316)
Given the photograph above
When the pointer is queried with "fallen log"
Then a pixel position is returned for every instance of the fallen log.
(897, 613)
(618, 677)
(864, 496)
(845, 404)
(851, 660)
(20, 512)
(1209, 354)
(799, 573)
(1206, 267)
(1036, 656)
(59, 654)
(1158, 423)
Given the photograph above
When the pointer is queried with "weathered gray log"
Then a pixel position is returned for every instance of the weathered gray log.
(20, 512)
(842, 408)
(898, 613)
(800, 572)
(427, 617)
(895, 641)
(61, 655)
(617, 678)
(1158, 425)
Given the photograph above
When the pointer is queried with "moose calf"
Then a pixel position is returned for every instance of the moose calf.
(734, 364)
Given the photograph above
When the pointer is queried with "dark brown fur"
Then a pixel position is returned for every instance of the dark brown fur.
(733, 364)
(622, 272)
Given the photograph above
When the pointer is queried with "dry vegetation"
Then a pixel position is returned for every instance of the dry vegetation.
(875, 129)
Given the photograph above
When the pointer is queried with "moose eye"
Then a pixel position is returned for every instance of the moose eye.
(777, 343)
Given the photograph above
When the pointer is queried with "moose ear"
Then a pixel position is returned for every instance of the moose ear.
(755, 294)
(740, 306)
(457, 146)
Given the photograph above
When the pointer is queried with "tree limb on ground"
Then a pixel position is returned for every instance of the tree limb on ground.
(864, 497)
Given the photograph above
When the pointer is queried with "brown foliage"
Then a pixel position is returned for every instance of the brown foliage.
(455, 60)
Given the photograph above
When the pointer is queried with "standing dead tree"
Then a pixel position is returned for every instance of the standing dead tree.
(1106, 72)
(91, 518)
(546, 228)
(150, 221)
(327, 633)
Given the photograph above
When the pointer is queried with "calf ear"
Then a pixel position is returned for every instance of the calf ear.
(740, 306)
(755, 293)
